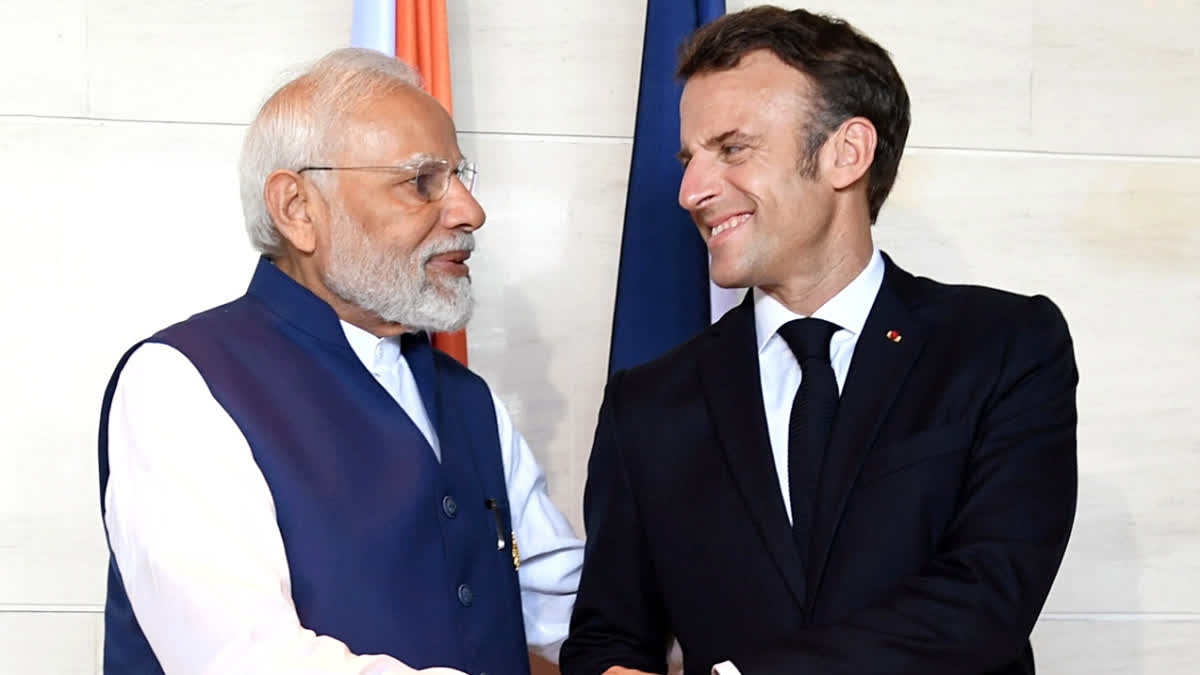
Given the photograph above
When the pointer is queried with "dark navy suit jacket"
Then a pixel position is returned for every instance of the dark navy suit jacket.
(945, 501)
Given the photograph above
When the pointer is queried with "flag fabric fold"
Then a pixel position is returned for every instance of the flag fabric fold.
(422, 40)
(374, 25)
(663, 290)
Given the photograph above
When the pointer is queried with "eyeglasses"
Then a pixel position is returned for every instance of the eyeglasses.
(430, 177)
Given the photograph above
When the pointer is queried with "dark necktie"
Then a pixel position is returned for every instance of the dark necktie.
(813, 410)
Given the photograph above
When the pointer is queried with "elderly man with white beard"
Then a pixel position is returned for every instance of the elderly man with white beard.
(296, 481)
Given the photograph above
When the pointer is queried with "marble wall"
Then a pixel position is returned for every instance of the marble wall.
(1055, 149)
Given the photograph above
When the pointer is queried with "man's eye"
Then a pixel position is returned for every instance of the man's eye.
(728, 150)
(426, 182)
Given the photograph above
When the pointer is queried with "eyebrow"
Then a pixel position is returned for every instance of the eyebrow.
(416, 160)
(731, 135)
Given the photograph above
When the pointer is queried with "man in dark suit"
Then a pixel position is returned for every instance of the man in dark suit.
(857, 470)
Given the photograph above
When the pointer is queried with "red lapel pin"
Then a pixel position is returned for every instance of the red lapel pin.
(894, 336)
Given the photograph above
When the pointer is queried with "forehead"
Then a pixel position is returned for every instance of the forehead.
(394, 126)
(760, 87)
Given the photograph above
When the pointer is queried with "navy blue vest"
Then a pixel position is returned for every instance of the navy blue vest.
(389, 550)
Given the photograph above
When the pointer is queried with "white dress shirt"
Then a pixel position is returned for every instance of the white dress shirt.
(779, 371)
(192, 526)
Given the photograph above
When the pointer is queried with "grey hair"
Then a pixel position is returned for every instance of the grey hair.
(298, 125)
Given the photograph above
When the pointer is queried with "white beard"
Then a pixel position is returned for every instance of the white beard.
(398, 290)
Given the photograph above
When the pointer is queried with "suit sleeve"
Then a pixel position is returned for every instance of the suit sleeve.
(973, 606)
(618, 619)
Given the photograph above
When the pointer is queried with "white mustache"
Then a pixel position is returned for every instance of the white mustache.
(462, 241)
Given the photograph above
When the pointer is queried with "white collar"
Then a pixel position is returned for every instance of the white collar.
(374, 352)
(848, 309)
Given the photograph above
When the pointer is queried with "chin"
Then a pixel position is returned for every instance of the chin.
(728, 278)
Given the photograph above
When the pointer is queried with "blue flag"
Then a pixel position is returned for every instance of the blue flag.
(662, 283)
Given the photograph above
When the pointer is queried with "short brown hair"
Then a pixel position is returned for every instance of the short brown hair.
(852, 74)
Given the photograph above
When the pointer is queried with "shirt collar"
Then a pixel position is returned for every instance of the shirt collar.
(374, 352)
(848, 309)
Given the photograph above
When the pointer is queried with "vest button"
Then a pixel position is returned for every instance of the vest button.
(464, 595)
(449, 506)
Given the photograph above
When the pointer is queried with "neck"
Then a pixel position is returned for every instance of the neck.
(303, 269)
(824, 270)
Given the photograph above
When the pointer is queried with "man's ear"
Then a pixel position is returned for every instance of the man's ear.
(853, 149)
(291, 201)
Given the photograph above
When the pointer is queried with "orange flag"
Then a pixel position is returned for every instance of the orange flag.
(422, 41)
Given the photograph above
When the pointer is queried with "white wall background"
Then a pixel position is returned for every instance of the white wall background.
(1055, 149)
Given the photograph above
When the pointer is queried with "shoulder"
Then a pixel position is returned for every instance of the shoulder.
(156, 380)
(975, 311)
(210, 322)
(676, 368)
(670, 390)
(992, 329)
(991, 311)
(149, 361)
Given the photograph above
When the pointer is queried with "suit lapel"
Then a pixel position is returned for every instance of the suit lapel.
(729, 372)
(877, 371)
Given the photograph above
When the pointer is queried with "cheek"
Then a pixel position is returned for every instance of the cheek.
(763, 185)
(418, 233)
(403, 233)
(745, 181)
(798, 193)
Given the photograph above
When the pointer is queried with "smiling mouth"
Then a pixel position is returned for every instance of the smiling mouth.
(729, 224)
